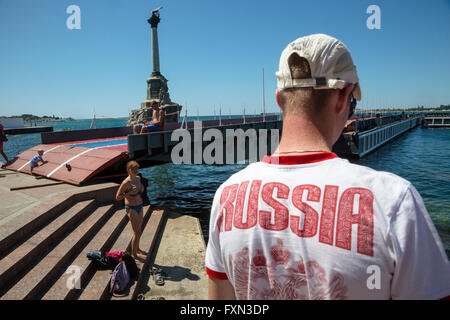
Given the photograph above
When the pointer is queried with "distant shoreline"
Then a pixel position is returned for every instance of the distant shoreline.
(72, 119)
(30, 118)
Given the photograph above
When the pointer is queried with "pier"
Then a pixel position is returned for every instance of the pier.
(13, 126)
(243, 141)
(437, 121)
(371, 134)
(25, 130)
(81, 156)
(235, 141)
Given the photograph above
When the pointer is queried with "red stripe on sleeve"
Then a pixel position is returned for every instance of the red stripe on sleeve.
(216, 275)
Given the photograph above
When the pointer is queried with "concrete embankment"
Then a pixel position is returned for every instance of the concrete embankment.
(46, 229)
(180, 254)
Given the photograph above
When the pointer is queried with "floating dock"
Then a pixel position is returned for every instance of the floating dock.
(436, 121)
(261, 133)
(77, 157)
(25, 130)
(367, 135)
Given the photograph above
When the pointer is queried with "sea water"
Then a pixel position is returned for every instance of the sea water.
(421, 156)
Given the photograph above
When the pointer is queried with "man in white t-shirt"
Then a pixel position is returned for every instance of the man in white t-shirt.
(305, 224)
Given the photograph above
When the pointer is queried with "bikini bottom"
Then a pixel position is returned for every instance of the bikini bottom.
(135, 208)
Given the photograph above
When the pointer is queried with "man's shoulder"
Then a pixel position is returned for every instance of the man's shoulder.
(384, 185)
(366, 173)
(340, 172)
(341, 168)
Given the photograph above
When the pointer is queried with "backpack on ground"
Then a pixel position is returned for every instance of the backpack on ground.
(119, 279)
(129, 261)
(131, 265)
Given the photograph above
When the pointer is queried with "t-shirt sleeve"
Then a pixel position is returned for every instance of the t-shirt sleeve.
(422, 269)
(214, 262)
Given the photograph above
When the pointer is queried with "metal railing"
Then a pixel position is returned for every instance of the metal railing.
(373, 139)
(436, 122)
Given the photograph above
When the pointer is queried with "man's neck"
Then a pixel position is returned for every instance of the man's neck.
(302, 134)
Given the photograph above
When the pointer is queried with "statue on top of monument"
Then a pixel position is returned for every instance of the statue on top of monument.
(154, 19)
(157, 89)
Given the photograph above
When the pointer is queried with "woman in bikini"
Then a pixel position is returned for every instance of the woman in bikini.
(2, 136)
(130, 190)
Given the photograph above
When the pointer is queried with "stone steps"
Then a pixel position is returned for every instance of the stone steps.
(147, 243)
(33, 284)
(102, 276)
(24, 226)
(41, 260)
(101, 241)
(95, 288)
(16, 264)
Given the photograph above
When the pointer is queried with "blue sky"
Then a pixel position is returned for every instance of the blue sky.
(212, 52)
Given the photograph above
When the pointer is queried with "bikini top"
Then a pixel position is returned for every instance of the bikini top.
(131, 186)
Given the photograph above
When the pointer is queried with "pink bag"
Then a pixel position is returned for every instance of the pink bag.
(117, 254)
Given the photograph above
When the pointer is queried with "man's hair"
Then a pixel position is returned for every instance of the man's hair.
(301, 100)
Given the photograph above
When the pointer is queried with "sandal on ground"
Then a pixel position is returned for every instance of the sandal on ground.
(157, 276)
(159, 280)
(154, 270)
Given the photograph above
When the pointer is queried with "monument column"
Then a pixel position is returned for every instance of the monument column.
(153, 21)
(157, 90)
(156, 84)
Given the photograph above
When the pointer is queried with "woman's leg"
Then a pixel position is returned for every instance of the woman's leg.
(136, 223)
(3, 154)
(141, 218)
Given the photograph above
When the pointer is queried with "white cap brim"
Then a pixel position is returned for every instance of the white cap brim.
(330, 62)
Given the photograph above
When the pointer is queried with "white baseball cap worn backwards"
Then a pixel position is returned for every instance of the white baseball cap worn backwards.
(330, 62)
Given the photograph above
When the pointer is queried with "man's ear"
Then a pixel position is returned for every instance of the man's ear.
(343, 99)
(277, 95)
